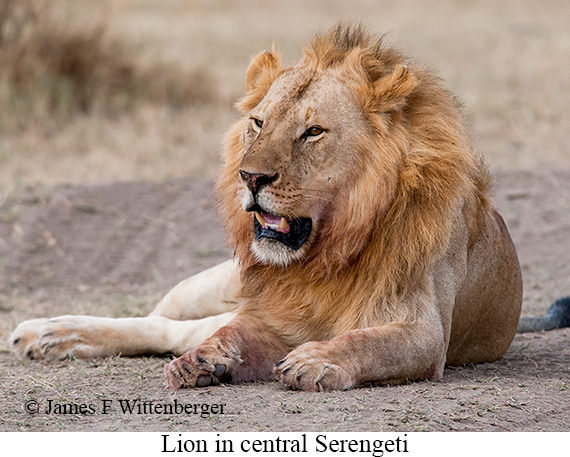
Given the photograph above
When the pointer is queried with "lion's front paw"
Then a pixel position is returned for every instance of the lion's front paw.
(308, 368)
(207, 365)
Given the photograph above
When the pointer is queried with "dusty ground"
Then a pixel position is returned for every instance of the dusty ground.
(113, 250)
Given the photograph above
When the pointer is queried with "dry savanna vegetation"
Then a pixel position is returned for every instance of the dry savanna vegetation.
(54, 66)
(130, 90)
(70, 87)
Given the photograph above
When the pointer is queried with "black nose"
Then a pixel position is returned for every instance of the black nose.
(255, 181)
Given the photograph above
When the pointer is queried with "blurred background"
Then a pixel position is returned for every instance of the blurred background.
(130, 90)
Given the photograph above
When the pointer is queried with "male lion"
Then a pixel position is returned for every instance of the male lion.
(366, 246)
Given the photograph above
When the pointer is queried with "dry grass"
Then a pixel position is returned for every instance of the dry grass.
(112, 109)
(48, 68)
(55, 64)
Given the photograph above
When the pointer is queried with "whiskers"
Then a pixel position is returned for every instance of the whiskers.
(315, 194)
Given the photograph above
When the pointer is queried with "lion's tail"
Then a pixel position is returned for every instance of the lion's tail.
(557, 316)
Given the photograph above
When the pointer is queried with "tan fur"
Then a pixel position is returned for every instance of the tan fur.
(407, 261)
(407, 266)
(188, 314)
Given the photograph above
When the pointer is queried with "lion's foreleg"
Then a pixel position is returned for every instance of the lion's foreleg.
(393, 353)
(244, 350)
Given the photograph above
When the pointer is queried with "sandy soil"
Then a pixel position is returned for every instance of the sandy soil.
(113, 250)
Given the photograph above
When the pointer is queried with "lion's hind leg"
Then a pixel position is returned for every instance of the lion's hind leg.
(90, 337)
(187, 315)
(24, 340)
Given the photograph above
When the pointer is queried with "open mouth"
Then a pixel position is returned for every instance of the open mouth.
(293, 233)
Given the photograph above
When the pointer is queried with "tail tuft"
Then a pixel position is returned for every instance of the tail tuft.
(557, 316)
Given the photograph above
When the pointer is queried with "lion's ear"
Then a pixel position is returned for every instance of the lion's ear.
(391, 90)
(262, 71)
(266, 63)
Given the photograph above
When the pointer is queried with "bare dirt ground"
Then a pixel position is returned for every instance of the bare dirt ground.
(113, 250)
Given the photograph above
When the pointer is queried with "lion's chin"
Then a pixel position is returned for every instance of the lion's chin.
(271, 252)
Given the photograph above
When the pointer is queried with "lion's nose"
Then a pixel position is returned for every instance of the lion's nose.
(255, 181)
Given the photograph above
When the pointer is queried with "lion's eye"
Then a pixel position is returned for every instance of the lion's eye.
(313, 131)
(257, 123)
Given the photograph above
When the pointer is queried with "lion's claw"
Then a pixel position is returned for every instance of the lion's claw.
(204, 381)
(219, 370)
(306, 368)
(197, 369)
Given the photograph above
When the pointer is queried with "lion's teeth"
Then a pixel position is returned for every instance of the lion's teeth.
(260, 219)
(283, 224)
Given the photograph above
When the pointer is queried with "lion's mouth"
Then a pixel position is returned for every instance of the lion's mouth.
(293, 233)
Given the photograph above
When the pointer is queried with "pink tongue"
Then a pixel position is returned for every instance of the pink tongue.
(271, 218)
(274, 221)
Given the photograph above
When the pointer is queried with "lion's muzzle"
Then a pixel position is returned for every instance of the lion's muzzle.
(292, 233)
(255, 181)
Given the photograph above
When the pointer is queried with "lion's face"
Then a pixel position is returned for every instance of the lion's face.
(299, 154)
(313, 165)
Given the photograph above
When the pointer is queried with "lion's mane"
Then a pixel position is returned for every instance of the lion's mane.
(378, 250)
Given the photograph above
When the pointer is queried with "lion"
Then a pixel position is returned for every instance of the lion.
(366, 247)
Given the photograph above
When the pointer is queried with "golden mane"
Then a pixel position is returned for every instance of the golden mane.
(417, 140)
